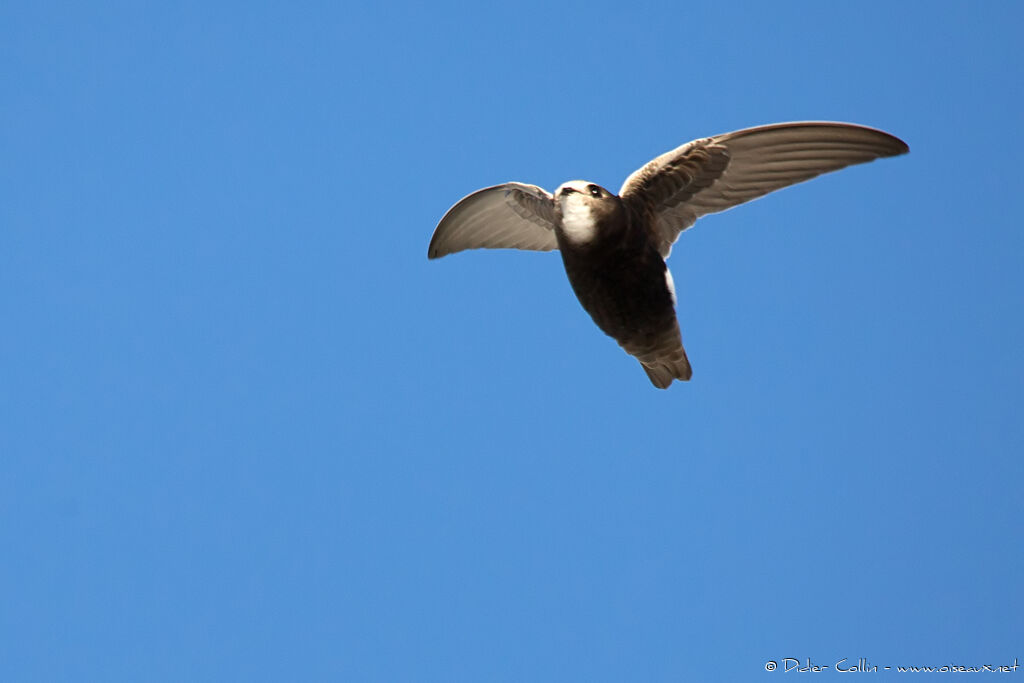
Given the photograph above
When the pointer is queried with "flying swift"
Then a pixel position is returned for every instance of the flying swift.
(614, 246)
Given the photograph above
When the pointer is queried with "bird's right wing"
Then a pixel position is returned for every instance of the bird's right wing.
(507, 216)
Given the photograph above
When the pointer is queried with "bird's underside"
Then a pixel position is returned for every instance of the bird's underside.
(613, 246)
(623, 283)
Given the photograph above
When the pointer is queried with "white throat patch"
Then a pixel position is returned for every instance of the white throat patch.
(577, 220)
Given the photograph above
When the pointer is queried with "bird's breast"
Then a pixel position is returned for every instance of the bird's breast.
(625, 290)
(579, 223)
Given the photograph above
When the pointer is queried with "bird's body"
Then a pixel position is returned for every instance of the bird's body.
(620, 278)
(614, 246)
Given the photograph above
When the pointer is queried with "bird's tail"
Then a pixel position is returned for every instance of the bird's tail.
(664, 367)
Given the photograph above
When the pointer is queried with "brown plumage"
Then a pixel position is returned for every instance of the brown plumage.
(613, 246)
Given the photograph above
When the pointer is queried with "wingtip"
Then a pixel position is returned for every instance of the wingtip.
(897, 146)
(434, 251)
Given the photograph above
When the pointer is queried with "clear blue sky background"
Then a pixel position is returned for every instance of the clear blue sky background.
(248, 431)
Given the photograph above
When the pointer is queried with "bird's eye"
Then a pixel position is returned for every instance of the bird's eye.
(594, 190)
(566, 190)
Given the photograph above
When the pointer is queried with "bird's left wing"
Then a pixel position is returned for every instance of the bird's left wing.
(717, 173)
(507, 216)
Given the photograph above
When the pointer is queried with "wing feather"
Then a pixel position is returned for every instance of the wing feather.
(717, 173)
(506, 216)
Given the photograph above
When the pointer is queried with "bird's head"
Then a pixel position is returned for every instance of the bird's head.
(583, 206)
(577, 190)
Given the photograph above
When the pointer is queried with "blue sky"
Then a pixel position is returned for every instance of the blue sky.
(249, 432)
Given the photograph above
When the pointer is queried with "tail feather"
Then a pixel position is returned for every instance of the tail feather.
(661, 354)
(664, 368)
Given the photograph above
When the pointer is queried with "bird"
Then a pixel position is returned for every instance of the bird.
(614, 246)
